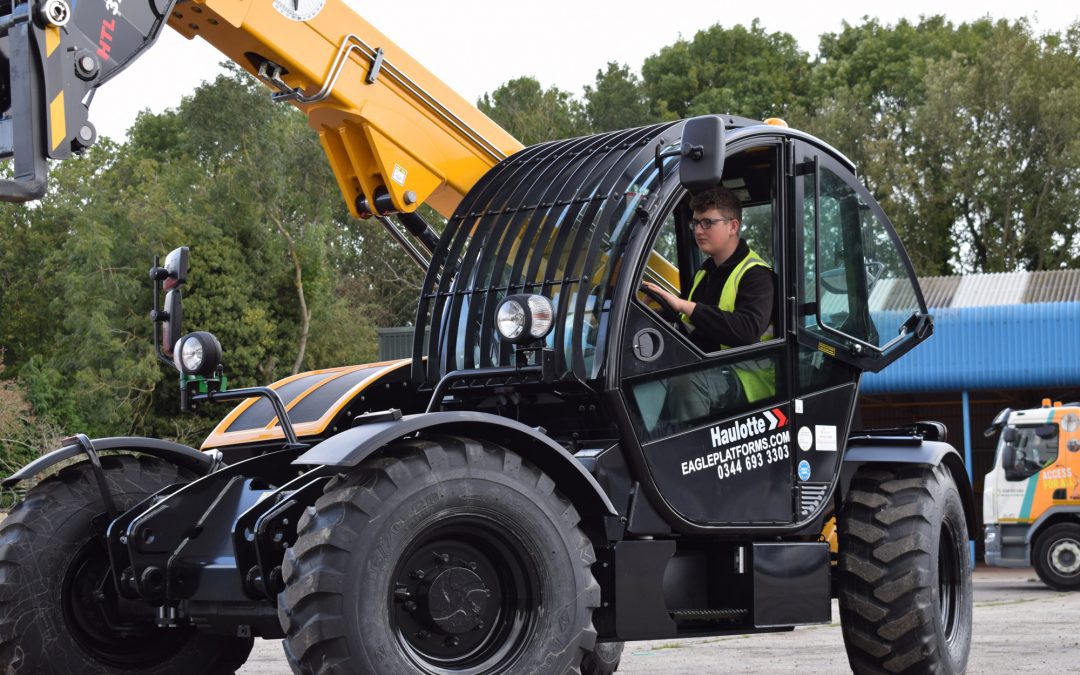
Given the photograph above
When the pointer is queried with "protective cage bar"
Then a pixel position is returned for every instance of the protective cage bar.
(553, 219)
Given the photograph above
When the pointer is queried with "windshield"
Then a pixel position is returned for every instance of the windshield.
(1023, 451)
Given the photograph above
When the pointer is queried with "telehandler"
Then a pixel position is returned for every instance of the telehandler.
(517, 497)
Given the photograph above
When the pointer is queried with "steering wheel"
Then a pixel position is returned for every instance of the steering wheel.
(663, 309)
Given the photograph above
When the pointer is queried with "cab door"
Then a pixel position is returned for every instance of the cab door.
(730, 465)
(857, 304)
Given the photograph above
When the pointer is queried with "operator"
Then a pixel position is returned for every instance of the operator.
(730, 304)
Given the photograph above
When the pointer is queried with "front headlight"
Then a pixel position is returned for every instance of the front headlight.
(525, 318)
(510, 319)
(197, 354)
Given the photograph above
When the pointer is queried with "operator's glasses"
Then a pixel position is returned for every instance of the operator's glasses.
(706, 223)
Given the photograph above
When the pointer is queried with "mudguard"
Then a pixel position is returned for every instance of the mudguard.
(349, 448)
(930, 453)
(180, 455)
(1066, 511)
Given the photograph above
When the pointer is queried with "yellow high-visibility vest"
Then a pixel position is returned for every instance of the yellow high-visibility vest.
(758, 376)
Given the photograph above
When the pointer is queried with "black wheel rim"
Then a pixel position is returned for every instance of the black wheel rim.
(91, 609)
(950, 576)
(463, 596)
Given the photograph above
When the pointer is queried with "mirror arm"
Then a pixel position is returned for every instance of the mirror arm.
(694, 152)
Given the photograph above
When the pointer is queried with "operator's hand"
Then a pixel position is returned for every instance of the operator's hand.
(675, 302)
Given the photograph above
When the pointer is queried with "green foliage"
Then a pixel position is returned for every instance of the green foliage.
(245, 184)
(534, 114)
(618, 101)
(739, 70)
(1004, 128)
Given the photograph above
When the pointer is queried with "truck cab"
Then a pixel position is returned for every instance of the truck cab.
(1031, 499)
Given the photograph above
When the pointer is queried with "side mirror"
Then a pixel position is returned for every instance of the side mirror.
(999, 421)
(1010, 435)
(174, 307)
(169, 277)
(703, 147)
(176, 265)
(1008, 458)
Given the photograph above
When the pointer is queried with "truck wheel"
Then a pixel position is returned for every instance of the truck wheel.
(57, 599)
(603, 660)
(441, 556)
(904, 581)
(1057, 557)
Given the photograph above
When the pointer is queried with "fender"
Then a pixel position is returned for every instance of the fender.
(174, 453)
(1034, 528)
(915, 451)
(349, 448)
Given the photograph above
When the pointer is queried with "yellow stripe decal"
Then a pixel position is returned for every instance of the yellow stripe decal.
(57, 127)
(52, 40)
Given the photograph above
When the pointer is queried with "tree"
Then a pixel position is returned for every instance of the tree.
(867, 84)
(735, 70)
(533, 114)
(618, 101)
(1005, 130)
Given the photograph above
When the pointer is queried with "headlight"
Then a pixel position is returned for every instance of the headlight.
(510, 319)
(197, 354)
(191, 355)
(525, 318)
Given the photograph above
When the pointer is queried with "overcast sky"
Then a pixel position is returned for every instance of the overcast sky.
(476, 45)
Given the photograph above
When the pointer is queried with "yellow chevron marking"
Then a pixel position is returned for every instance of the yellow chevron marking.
(57, 126)
(52, 40)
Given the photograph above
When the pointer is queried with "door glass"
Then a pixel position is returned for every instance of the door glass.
(854, 270)
(673, 403)
(1026, 450)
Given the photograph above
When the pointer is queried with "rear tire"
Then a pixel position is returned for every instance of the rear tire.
(56, 594)
(904, 580)
(440, 556)
(1057, 557)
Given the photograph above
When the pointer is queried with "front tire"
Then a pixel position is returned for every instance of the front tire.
(904, 580)
(1057, 557)
(440, 556)
(604, 659)
(57, 599)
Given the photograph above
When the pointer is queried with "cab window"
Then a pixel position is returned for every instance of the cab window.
(1026, 450)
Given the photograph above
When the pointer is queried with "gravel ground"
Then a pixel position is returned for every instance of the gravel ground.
(1019, 626)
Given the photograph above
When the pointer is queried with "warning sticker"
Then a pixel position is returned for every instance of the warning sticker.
(826, 437)
(744, 445)
(399, 175)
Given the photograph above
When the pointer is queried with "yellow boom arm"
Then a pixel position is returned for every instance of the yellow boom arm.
(396, 136)
(387, 124)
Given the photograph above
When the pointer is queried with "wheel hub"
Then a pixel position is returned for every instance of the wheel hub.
(456, 599)
(461, 597)
(1065, 557)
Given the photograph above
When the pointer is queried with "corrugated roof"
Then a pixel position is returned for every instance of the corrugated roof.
(992, 290)
(1055, 286)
